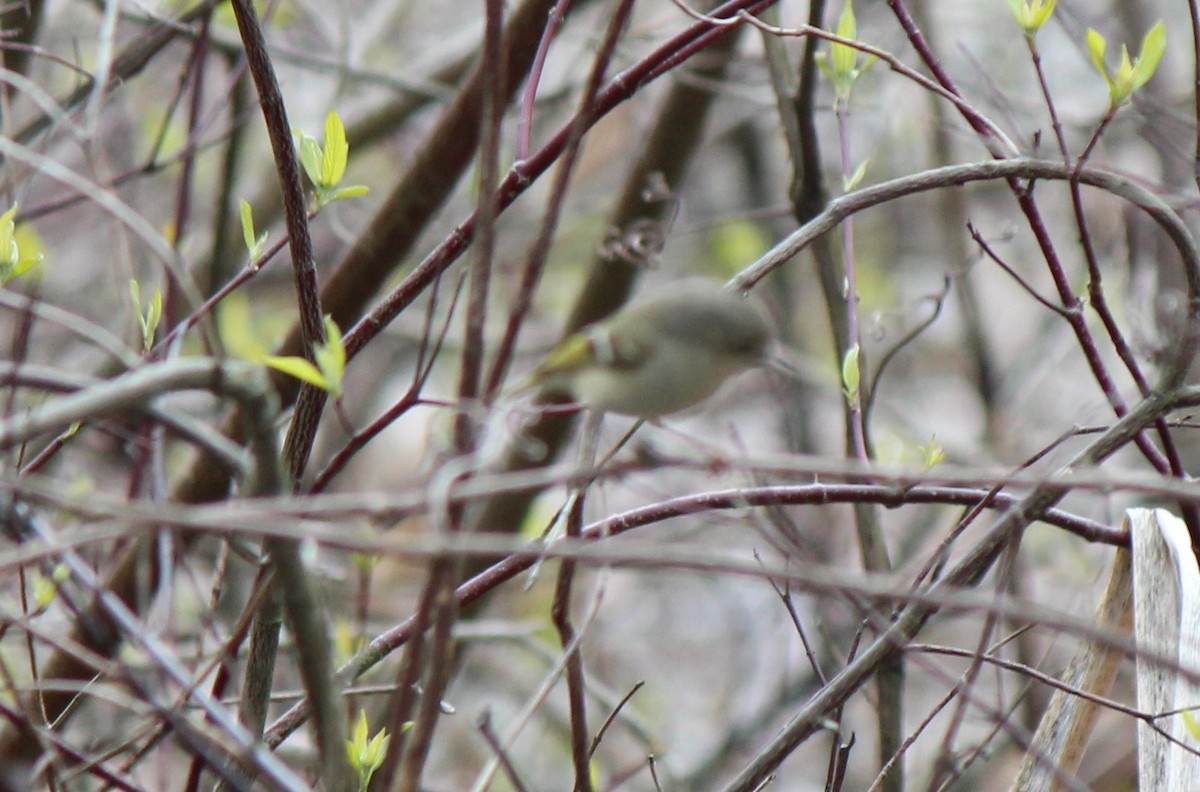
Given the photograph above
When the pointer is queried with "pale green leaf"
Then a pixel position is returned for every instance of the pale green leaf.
(1031, 14)
(1153, 47)
(841, 57)
(364, 562)
(156, 303)
(932, 453)
(336, 151)
(148, 318)
(254, 244)
(361, 733)
(44, 590)
(345, 640)
(1125, 66)
(331, 358)
(1121, 86)
(353, 191)
(23, 265)
(299, 368)
(732, 244)
(851, 376)
(1042, 12)
(20, 247)
(154, 311)
(377, 749)
(822, 59)
(1096, 47)
(247, 226)
(310, 158)
(366, 753)
(30, 253)
(1190, 723)
(856, 177)
(9, 252)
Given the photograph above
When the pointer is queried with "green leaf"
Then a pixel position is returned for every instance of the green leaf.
(331, 358)
(310, 157)
(9, 252)
(299, 368)
(822, 59)
(346, 640)
(45, 587)
(149, 319)
(1130, 74)
(733, 243)
(44, 590)
(1031, 14)
(1096, 47)
(851, 376)
(841, 64)
(353, 191)
(361, 732)
(30, 247)
(254, 245)
(842, 58)
(1153, 46)
(1190, 723)
(247, 225)
(154, 311)
(932, 453)
(330, 367)
(325, 163)
(856, 177)
(1122, 85)
(20, 247)
(22, 266)
(366, 753)
(336, 151)
(249, 331)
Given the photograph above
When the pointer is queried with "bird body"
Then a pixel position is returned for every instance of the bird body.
(660, 355)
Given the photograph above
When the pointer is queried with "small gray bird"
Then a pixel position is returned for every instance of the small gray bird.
(662, 354)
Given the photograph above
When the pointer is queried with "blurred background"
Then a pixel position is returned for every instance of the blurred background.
(971, 368)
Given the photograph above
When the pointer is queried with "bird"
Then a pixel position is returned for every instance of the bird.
(661, 354)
